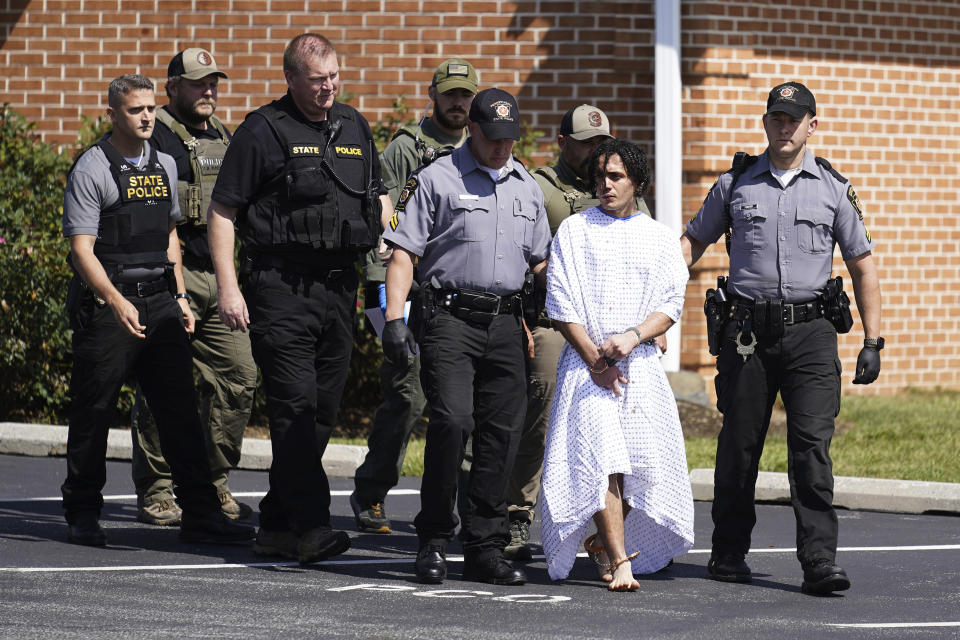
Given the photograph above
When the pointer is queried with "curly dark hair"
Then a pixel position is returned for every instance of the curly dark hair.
(633, 158)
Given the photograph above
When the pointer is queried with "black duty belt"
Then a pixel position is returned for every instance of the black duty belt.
(142, 289)
(793, 313)
(477, 306)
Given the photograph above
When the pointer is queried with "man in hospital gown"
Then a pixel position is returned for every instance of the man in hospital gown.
(615, 451)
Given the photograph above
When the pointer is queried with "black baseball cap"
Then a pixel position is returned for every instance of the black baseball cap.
(792, 98)
(497, 114)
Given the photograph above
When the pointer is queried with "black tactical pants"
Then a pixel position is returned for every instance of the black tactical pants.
(104, 357)
(475, 381)
(803, 366)
(302, 335)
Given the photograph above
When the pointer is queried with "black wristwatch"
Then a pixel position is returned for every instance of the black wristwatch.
(876, 343)
(186, 296)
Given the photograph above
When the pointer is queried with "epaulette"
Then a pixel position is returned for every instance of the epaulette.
(823, 162)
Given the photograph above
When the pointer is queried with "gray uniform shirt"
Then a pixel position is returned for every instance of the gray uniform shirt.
(783, 238)
(91, 189)
(397, 162)
(469, 232)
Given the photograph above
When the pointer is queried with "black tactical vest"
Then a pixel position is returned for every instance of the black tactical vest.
(136, 230)
(206, 156)
(325, 197)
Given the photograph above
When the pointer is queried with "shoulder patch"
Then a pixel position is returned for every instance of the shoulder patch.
(408, 190)
(855, 201)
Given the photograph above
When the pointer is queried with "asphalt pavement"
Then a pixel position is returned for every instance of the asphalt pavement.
(904, 568)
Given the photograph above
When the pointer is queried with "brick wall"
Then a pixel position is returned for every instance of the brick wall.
(887, 80)
(885, 75)
(58, 56)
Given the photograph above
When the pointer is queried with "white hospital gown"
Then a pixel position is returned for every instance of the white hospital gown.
(608, 274)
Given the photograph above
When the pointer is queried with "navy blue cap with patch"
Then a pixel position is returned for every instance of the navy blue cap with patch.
(497, 113)
(792, 98)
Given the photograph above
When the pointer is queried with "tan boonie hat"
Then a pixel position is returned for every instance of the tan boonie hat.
(193, 64)
(455, 73)
(585, 122)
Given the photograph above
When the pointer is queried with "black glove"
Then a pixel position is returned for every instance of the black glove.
(397, 341)
(868, 365)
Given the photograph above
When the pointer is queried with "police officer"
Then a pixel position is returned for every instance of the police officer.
(787, 210)
(130, 317)
(476, 223)
(197, 141)
(565, 192)
(302, 179)
(451, 92)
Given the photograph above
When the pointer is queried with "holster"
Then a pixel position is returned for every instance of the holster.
(80, 303)
(171, 278)
(715, 309)
(245, 267)
(531, 299)
(837, 305)
(75, 291)
(421, 302)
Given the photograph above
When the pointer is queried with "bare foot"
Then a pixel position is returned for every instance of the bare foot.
(623, 578)
(598, 554)
(603, 567)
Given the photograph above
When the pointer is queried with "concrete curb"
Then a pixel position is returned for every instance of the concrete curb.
(875, 494)
(903, 496)
(51, 440)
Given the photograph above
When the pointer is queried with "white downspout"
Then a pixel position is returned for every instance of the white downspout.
(668, 138)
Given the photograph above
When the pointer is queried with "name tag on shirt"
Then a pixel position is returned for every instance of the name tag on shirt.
(469, 196)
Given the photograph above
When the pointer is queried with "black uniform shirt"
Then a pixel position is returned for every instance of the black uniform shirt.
(255, 157)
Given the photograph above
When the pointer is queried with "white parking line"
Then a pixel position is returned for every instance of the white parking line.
(376, 561)
(236, 494)
(892, 625)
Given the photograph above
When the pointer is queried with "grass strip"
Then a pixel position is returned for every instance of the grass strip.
(912, 435)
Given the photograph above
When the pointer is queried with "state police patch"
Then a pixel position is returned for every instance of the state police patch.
(855, 201)
(408, 189)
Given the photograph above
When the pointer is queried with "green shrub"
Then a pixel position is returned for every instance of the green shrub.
(35, 358)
